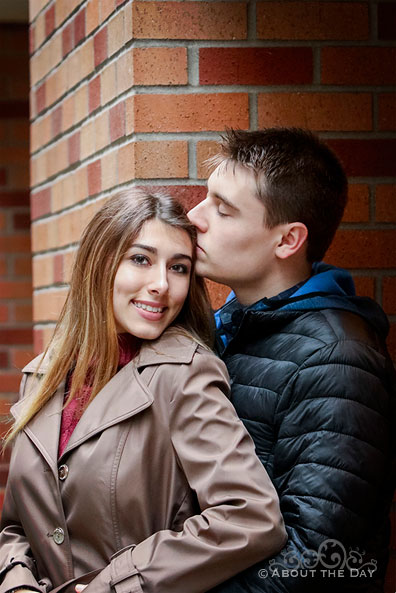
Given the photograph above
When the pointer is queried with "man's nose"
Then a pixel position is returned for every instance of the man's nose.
(197, 217)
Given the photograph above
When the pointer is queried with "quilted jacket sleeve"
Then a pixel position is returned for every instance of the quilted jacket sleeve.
(331, 469)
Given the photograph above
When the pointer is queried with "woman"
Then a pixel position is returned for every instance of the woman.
(130, 470)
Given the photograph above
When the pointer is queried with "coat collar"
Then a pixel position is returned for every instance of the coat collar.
(124, 396)
(170, 347)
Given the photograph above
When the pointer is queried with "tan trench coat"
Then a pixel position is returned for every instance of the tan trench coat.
(159, 488)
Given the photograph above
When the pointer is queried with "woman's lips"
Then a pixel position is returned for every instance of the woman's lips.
(150, 311)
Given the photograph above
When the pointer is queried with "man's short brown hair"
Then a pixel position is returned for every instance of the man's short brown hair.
(299, 179)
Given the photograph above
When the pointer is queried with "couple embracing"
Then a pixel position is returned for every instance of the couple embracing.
(137, 468)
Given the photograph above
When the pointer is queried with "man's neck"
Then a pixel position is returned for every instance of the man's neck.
(248, 294)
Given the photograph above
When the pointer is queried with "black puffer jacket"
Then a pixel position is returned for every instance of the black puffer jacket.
(315, 388)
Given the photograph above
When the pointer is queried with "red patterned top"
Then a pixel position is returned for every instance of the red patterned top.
(72, 413)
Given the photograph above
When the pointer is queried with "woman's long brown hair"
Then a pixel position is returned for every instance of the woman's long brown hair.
(86, 324)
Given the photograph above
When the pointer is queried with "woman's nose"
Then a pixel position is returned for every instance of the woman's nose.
(159, 281)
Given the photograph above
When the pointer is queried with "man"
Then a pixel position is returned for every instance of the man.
(311, 377)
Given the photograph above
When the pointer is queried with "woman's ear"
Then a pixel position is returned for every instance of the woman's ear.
(294, 236)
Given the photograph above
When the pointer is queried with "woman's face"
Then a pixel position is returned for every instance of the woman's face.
(152, 280)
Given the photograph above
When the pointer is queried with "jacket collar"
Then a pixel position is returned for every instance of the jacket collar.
(124, 396)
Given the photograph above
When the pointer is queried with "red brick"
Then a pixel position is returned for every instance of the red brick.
(3, 313)
(385, 203)
(21, 221)
(94, 94)
(188, 195)
(386, 20)
(189, 20)
(161, 159)
(23, 313)
(20, 358)
(117, 121)
(217, 293)
(94, 177)
(73, 144)
(56, 121)
(3, 177)
(366, 158)
(40, 98)
(152, 66)
(312, 20)
(318, 111)
(41, 203)
(358, 205)
(10, 382)
(363, 249)
(58, 268)
(50, 20)
(15, 289)
(100, 46)
(79, 26)
(358, 65)
(67, 39)
(4, 359)
(23, 265)
(389, 295)
(106, 8)
(365, 286)
(3, 467)
(16, 198)
(13, 155)
(15, 336)
(255, 65)
(3, 221)
(387, 111)
(16, 243)
(31, 39)
(190, 113)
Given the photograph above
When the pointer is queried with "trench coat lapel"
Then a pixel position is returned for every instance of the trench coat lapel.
(127, 393)
(44, 428)
(124, 396)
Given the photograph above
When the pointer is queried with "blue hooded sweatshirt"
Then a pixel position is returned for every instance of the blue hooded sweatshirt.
(328, 287)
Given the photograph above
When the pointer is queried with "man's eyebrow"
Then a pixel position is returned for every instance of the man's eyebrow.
(155, 251)
(225, 201)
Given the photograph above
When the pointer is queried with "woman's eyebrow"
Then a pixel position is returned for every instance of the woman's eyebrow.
(145, 247)
(182, 256)
(155, 251)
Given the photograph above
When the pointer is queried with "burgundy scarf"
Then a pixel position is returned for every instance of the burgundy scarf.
(128, 348)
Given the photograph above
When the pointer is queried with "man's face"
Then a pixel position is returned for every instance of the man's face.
(234, 245)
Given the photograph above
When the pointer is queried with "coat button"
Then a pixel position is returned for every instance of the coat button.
(63, 471)
(58, 535)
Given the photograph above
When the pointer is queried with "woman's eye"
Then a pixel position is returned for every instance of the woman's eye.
(140, 260)
(180, 268)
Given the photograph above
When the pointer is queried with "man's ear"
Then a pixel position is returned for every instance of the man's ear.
(294, 236)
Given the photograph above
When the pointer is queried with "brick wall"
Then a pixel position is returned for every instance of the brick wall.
(135, 93)
(15, 256)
